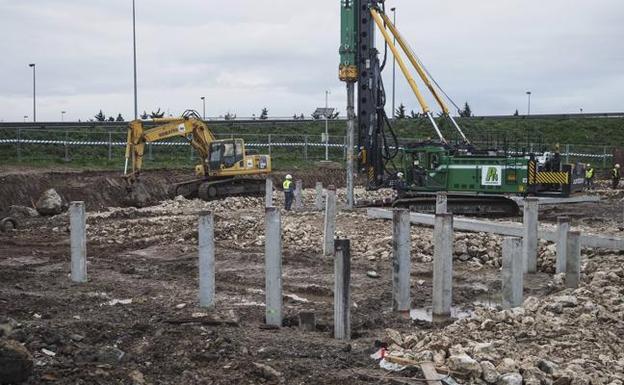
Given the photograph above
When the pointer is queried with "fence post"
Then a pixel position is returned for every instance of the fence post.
(192, 155)
(441, 203)
(270, 147)
(342, 289)
(401, 245)
(562, 243)
(529, 244)
(19, 144)
(66, 146)
(567, 153)
(206, 259)
(604, 157)
(573, 260)
(110, 146)
(149, 151)
(442, 266)
(273, 267)
(78, 240)
(305, 148)
(319, 196)
(512, 273)
(330, 221)
(299, 195)
(268, 199)
(344, 148)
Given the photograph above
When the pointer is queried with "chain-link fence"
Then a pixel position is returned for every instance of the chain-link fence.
(102, 146)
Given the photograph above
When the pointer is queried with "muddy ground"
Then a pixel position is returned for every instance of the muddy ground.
(128, 324)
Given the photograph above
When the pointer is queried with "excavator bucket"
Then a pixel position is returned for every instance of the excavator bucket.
(138, 195)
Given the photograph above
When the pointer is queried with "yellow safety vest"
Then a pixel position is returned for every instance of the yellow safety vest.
(615, 173)
(589, 173)
(287, 184)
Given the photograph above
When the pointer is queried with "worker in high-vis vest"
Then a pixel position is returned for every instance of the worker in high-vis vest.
(289, 192)
(589, 177)
(615, 176)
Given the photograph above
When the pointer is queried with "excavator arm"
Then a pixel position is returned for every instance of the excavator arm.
(193, 130)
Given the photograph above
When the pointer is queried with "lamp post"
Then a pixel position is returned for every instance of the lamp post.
(136, 105)
(529, 107)
(326, 126)
(393, 9)
(63, 116)
(203, 98)
(25, 117)
(32, 65)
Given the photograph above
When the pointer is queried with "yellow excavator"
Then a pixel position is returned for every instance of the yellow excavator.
(225, 168)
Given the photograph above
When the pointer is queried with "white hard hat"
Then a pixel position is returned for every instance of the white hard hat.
(617, 165)
(400, 174)
(588, 165)
(288, 176)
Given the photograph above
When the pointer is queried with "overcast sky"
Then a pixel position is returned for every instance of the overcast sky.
(243, 55)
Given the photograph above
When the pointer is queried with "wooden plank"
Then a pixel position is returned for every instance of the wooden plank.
(431, 374)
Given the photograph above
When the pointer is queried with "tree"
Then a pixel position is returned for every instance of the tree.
(264, 115)
(466, 113)
(100, 117)
(400, 112)
(516, 113)
(229, 116)
(157, 114)
(120, 118)
(111, 119)
(334, 115)
(415, 115)
(144, 116)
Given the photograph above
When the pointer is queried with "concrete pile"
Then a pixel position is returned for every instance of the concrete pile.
(552, 340)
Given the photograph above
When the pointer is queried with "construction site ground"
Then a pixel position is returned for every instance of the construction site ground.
(137, 319)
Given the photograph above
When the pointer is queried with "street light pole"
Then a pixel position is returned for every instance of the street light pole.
(32, 65)
(63, 116)
(529, 107)
(25, 117)
(136, 105)
(203, 98)
(393, 9)
(326, 127)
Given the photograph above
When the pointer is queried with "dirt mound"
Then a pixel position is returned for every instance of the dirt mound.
(101, 189)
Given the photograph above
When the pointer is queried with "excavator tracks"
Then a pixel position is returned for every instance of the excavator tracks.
(463, 205)
(219, 189)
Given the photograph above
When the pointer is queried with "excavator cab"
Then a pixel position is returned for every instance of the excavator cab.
(225, 154)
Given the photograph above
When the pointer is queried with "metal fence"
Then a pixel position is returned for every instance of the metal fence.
(108, 146)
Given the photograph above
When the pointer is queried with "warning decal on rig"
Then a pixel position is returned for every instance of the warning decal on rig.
(492, 175)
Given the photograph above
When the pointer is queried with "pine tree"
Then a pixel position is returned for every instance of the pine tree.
(400, 112)
(157, 114)
(120, 118)
(467, 112)
(144, 116)
(111, 119)
(264, 115)
(100, 117)
(516, 113)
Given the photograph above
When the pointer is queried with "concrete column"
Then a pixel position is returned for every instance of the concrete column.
(318, 203)
(441, 203)
(563, 229)
(273, 266)
(206, 259)
(529, 244)
(268, 200)
(350, 142)
(298, 195)
(330, 221)
(401, 245)
(78, 239)
(442, 265)
(573, 260)
(342, 289)
(512, 273)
